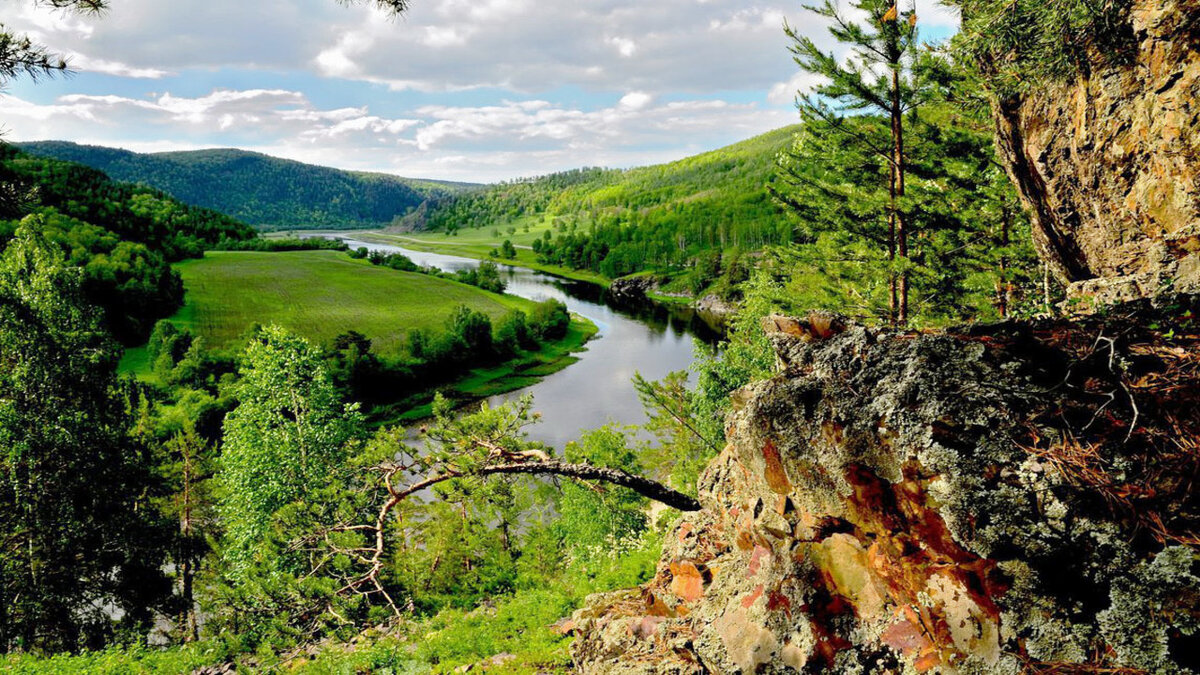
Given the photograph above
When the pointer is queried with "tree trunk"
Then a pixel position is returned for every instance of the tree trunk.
(899, 225)
(1005, 288)
(187, 572)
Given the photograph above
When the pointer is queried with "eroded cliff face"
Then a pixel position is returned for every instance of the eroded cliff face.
(1109, 163)
(1004, 499)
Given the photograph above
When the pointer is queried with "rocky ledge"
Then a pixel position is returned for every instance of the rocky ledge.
(1108, 163)
(1002, 499)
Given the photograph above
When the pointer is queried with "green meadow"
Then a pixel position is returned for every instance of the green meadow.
(479, 243)
(320, 294)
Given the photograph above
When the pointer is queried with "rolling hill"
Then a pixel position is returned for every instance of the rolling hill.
(267, 192)
(693, 215)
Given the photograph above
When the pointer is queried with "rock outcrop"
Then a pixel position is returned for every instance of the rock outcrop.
(632, 289)
(1109, 163)
(1000, 499)
(996, 499)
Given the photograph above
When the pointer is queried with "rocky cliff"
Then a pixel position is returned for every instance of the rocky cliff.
(996, 499)
(1004, 499)
(1108, 163)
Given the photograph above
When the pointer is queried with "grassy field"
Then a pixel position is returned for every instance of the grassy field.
(478, 243)
(320, 294)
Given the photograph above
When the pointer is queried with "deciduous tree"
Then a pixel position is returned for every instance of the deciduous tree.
(77, 542)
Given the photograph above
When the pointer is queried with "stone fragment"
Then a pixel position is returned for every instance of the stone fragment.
(775, 474)
(687, 580)
(748, 643)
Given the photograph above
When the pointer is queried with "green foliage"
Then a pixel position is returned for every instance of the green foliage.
(685, 444)
(267, 192)
(598, 520)
(620, 222)
(123, 235)
(134, 660)
(282, 244)
(549, 320)
(132, 212)
(969, 251)
(485, 275)
(1019, 45)
(512, 333)
(76, 535)
(288, 433)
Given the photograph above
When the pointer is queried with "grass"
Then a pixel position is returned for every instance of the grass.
(318, 294)
(478, 243)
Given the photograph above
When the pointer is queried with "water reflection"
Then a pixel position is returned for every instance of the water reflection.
(651, 340)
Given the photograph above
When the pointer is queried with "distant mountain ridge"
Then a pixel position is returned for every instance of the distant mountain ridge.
(268, 192)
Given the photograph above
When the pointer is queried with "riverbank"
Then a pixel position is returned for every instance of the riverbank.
(323, 294)
(521, 372)
(478, 251)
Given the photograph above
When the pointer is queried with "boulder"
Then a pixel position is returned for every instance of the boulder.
(992, 499)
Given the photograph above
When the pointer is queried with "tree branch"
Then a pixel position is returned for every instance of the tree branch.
(646, 487)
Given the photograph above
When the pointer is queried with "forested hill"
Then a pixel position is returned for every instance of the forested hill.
(123, 236)
(724, 187)
(267, 192)
(617, 222)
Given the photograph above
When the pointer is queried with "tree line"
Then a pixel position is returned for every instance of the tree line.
(123, 236)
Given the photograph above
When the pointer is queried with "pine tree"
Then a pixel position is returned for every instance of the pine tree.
(878, 77)
(967, 260)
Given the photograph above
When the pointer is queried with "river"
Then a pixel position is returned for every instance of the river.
(650, 340)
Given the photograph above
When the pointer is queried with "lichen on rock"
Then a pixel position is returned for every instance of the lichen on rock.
(1007, 498)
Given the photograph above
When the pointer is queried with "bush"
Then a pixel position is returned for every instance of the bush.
(469, 333)
(549, 320)
(512, 333)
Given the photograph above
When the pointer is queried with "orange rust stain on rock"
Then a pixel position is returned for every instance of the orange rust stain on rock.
(756, 559)
(745, 539)
(775, 474)
(654, 606)
(908, 637)
(687, 580)
(911, 545)
(753, 597)
(777, 601)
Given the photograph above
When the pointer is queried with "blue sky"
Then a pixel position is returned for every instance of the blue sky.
(476, 90)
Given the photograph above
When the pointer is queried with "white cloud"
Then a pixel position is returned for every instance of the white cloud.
(784, 93)
(625, 47)
(635, 100)
(554, 84)
(84, 63)
(482, 143)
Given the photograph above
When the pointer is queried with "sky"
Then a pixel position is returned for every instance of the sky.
(470, 90)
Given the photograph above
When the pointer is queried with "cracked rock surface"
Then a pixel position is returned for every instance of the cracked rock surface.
(997, 499)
